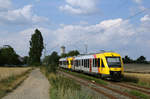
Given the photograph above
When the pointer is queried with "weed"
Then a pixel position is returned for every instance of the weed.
(138, 94)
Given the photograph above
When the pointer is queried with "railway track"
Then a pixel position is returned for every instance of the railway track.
(109, 92)
(134, 87)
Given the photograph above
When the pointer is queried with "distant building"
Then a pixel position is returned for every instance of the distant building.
(62, 49)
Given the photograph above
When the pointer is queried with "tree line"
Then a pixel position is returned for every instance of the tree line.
(139, 60)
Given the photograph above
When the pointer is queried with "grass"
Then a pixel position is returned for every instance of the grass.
(97, 80)
(138, 79)
(6, 72)
(138, 94)
(64, 88)
(10, 83)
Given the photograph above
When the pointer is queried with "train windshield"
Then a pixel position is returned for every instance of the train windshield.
(113, 61)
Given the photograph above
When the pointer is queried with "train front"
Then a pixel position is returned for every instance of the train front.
(115, 65)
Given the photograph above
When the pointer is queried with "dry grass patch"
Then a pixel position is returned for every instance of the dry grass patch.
(141, 79)
(6, 72)
(11, 78)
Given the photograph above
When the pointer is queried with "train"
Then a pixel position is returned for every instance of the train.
(108, 65)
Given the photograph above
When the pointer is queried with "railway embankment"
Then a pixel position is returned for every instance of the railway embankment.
(62, 87)
(113, 90)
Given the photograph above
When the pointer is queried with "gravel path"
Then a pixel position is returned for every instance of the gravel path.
(36, 86)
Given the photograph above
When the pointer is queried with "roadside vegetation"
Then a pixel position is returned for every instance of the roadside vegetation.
(11, 78)
(64, 88)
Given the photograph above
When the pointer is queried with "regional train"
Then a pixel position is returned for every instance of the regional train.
(107, 65)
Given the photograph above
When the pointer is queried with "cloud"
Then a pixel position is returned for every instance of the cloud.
(79, 7)
(138, 1)
(118, 35)
(106, 33)
(21, 16)
(145, 18)
(5, 4)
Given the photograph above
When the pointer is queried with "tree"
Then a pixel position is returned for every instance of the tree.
(64, 55)
(52, 62)
(8, 56)
(53, 58)
(127, 60)
(141, 59)
(36, 48)
(25, 59)
(71, 53)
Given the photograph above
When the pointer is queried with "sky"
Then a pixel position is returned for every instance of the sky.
(122, 26)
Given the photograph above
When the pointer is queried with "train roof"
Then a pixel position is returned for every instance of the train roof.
(87, 56)
(84, 57)
(62, 59)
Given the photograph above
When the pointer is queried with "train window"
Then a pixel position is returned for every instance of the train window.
(79, 62)
(98, 62)
(95, 62)
(75, 63)
(88, 63)
(84, 62)
(102, 63)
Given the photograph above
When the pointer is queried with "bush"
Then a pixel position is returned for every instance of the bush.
(51, 68)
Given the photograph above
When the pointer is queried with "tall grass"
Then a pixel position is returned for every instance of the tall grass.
(64, 88)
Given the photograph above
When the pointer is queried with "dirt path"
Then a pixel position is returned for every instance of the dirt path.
(36, 86)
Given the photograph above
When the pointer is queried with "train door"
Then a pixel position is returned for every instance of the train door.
(94, 65)
(90, 65)
(101, 65)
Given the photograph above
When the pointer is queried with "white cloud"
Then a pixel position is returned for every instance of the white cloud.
(22, 16)
(102, 33)
(138, 1)
(145, 18)
(79, 6)
(5, 4)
